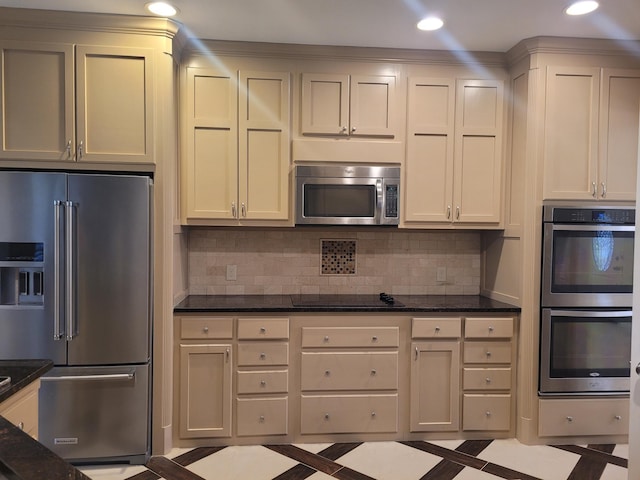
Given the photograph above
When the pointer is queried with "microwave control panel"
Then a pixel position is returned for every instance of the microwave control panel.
(391, 201)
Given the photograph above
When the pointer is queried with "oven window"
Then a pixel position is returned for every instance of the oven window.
(583, 347)
(592, 262)
(339, 200)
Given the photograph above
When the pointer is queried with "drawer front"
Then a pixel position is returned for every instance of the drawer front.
(350, 337)
(349, 371)
(262, 416)
(487, 352)
(263, 328)
(577, 417)
(206, 327)
(263, 353)
(486, 379)
(349, 414)
(263, 382)
(486, 412)
(24, 412)
(445, 327)
(488, 328)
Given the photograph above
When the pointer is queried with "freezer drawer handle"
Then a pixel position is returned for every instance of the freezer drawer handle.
(113, 376)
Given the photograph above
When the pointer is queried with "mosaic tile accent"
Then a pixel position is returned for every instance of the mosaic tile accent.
(338, 257)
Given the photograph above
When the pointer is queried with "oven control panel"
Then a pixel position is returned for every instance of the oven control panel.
(615, 216)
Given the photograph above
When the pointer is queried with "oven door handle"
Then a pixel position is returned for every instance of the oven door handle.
(590, 313)
(594, 228)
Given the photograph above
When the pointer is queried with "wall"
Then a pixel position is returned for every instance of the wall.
(288, 261)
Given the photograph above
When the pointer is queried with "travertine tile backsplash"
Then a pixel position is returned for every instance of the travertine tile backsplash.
(289, 261)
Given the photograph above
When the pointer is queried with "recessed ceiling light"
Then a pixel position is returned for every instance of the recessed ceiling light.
(162, 9)
(582, 7)
(430, 23)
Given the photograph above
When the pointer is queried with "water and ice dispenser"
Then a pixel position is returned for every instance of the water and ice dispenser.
(21, 273)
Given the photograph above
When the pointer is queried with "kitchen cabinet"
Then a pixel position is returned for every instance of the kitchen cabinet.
(453, 168)
(435, 374)
(348, 105)
(575, 417)
(76, 103)
(236, 167)
(21, 409)
(591, 133)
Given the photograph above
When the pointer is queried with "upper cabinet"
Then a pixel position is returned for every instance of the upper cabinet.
(62, 102)
(348, 105)
(453, 169)
(236, 167)
(591, 133)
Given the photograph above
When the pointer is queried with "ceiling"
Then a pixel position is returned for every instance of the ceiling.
(479, 25)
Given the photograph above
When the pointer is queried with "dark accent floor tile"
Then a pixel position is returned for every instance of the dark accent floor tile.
(604, 448)
(170, 470)
(452, 455)
(146, 475)
(587, 468)
(345, 473)
(337, 450)
(473, 447)
(505, 472)
(621, 462)
(445, 470)
(299, 472)
(196, 454)
(303, 456)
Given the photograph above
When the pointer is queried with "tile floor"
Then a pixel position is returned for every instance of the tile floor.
(436, 460)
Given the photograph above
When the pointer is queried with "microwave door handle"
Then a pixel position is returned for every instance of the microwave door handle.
(590, 313)
(594, 228)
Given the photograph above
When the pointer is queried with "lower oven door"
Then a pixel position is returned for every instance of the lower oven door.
(585, 351)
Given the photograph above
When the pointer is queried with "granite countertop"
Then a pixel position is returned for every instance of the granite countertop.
(341, 303)
(22, 373)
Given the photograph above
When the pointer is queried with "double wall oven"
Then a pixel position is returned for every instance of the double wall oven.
(586, 298)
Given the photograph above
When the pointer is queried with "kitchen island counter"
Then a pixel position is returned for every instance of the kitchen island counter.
(22, 373)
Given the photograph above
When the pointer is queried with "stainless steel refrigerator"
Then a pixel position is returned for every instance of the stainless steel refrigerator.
(75, 287)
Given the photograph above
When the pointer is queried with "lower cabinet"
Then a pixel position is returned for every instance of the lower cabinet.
(21, 409)
(571, 417)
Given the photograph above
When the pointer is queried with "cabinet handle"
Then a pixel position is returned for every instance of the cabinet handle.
(343, 130)
(448, 212)
(638, 369)
(69, 149)
(21, 425)
(227, 355)
(353, 129)
(457, 212)
(243, 208)
(594, 190)
(233, 209)
(416, 353)
(604, 189)
(569, 419)
(80, 150)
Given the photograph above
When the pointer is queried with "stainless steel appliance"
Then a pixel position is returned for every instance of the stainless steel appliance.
(347, 195)
(75, 287)
(586, 298)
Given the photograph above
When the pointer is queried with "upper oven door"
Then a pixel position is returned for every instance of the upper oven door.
(338, 201)
(587, 265)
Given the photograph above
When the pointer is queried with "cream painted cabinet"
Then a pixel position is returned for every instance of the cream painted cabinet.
(62, 102)
(574, 417)
(348, 105)
(453, 169)
(591, 133)
(237, 146)
(21, 409)
(435, 375)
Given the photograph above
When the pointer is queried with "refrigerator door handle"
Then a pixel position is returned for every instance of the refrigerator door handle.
(58, 332)
(70, 267)
(111, 376)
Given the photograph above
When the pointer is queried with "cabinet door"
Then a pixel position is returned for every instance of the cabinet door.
(36, 102)
(428, 182)
(435, 386)
(114, 100)
(570, 133)
(619, 107)
(263, 150)
(478, 151)
(372, 103)
(325, 104)
(211, 176)
(205, 390)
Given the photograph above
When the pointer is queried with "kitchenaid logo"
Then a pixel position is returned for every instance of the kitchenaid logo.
(65, 441)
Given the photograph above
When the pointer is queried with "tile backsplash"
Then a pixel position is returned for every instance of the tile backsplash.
(289, 261)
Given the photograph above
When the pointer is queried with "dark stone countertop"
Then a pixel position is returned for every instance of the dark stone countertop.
(341, 303)
(22, 457)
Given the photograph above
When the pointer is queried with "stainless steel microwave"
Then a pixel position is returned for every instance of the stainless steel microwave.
(347, 195)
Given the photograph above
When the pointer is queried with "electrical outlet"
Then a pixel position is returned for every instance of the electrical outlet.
(441, 274)
(232, 272)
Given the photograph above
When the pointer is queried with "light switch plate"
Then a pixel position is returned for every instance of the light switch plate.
(441, 274)
(232, 272)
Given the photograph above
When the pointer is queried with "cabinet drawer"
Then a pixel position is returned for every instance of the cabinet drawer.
(486, 379)
(349, 414)
(445, 327)
(486, 412)
(487, 352)
(488, 328)
(350, 371)
(262, 416)
(206, 327)
(22, 410)
(263, 382)
(577, 417)
(263, 353)
(263, 328)
(350, 337)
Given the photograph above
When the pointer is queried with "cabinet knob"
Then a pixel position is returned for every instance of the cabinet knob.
(373, 372)
(437, 329)
(374, 338)
(21, 425)
(263, 330)
(488, 380)
(618, 417)
(327, 373)
(326, 338)
(491, 329)
(263, 356)
(353, 129)
(343, 130)
(205, 329)
(373, 414)
(326, 416)
(263, 383)
(569, 419)
(487, 413)
(488, 354)
(261, 419)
